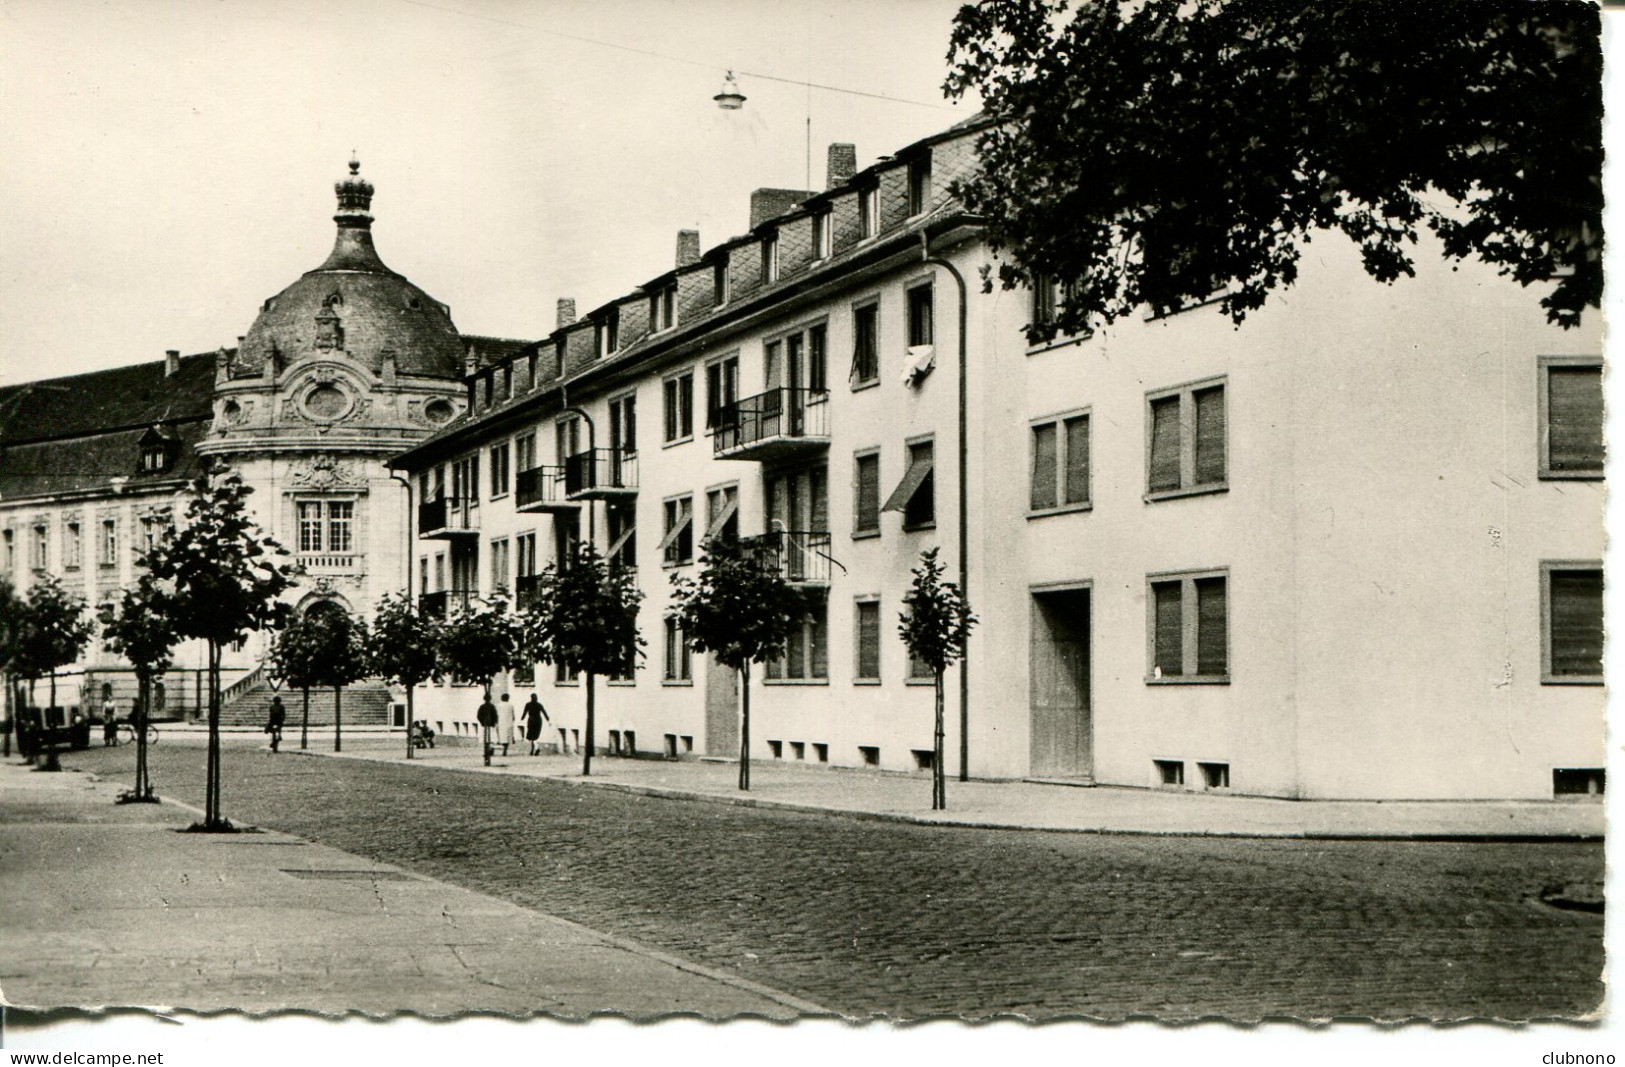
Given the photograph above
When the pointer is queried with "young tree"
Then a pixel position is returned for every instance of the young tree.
(11, 613)
(295, 662)
(479, 642)
(53, 633)
(323, 647)
(585, 616)
(137, 626)
(1153, 153)
(935, 627)
(221, 577)
(401, 649)
(743, 611)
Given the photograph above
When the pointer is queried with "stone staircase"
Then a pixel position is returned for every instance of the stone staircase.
(365, 704)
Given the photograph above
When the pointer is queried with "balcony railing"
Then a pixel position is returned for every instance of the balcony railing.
(442, 604)
(801, 557)
(768, 426)
(542, 489)
(600, 472)
(448, 516)
(329, 562)
(525, 588)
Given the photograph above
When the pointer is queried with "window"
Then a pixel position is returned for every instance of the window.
(920, 330)
(72, 546)
(806, 656)
(866, 487)
(867, 661)
(566, 538)
(722, 514)
(623, 424)
(799, 360)
(798, 500)
(310, 526)
(719, 282)
(770, 258)
(915, 495)
(620, 519)
(608, 330)
(818, 358)
(679, 407)
(8, 550)
(108, 553)
(865, 347)
(1571, 417)
(821, 234)
(677, 548)
(1060, 467)
(152, 528)
(340, 525)
(423, 575)
(1049, 297)
(1572, 621)
(439, 572)
(678, 667)
(465, 480)
(919, 670)
(524, 452)
(326, 527)
(499, 470)
(721, 388)
(41, 556)
(919, 186)
(663, 308)
(868, 211)
(526, 555)
(1189, 628)
(566, 438)
(1186, 450)
(499, 565)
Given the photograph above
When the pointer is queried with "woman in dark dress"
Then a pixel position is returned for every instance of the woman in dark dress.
(535, 717)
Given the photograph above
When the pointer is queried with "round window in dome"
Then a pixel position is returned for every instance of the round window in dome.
(326, 402)
(439, 410)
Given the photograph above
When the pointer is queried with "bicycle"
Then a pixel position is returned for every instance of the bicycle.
(126, 734)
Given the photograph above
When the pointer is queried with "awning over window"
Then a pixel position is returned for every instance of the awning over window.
(620, 542)
(919, 469)
(721, 518)
(677, 529)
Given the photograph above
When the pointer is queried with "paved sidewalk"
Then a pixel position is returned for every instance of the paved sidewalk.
(106, 905)
(1020, 805)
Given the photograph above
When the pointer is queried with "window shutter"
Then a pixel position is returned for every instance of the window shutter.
(818, 487)
(868, 492)
(1043, 488)
(1574, 418)
(1164, 472)
(818, 635)
(1576, 621)
(869, 640)
(1077, 460)
(1210, 466)
(1169, 638)
(796, 660)
(1212, 632)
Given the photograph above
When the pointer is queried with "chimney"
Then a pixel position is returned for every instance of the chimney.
(567, 312)
(172, 362)
(843, 163)
(771, 203)
(688, 247)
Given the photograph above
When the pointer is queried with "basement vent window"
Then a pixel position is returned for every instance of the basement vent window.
(630, 740)
(671, 746)
(575, 740)
(821, 750)
(870, 754)
(1170, 772)
(798, 750)
(687, 742)
(777, 748)
(614, 742)
(1578, 781)
(923, 758)
(1215, 775)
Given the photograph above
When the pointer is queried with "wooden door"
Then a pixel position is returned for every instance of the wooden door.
(721, 709)
(1062, 741)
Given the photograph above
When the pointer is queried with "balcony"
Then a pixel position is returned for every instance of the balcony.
(600, 473)
(329, 562)
(541, 489)
(525, 588)
(801, 557)
(441, 605)
(448, 517)
(781, 423)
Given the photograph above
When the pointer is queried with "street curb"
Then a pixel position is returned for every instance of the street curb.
(664, 792)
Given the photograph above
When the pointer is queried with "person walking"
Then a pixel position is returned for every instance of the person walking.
(273, 723)
(110, 723)
(535, 718)
(505, 723)
(487, 717)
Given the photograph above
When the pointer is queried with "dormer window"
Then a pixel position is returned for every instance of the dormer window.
(609, 333)
(868, 211)
(919, 186)
(821, 231)
(663, 308)
(156, 450)
(770, 258)
(719, 282)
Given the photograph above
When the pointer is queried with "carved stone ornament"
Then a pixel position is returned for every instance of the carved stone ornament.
(325, 473)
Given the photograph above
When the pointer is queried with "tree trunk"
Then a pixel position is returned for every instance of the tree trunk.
(410, 721)
(939, 776)
(744, 727)
(138, 719)
(50, 745)
(586, 758)
(212, 819)
(304, 723)
(338, 719)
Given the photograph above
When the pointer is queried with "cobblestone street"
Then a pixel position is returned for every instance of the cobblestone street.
(910, 921)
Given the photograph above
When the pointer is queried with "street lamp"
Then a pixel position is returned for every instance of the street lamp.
(730, 99)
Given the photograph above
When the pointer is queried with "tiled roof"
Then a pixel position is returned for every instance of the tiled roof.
(134, 396)
(490, 350)
(92, 462)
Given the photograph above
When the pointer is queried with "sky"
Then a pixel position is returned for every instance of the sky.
(169, 164)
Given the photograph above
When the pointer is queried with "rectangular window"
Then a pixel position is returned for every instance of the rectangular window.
(806, 656)
(1186, 449)
(866, 488)
(465, 480)
(1188, 627)
(678, 666)
(822, 229)
(1060, 465)
(722, 514)
(8, 550)
(109, 543)
(915, 495)
(439, 572)
(310, 526)
(499, 470)
(920, 327)
(662, 308)
(719, 282)
(818, 358)
(608, 330)
(42, 547)
(623, 424)
(72, 546)
(919, 186)
(524, 452)
(1571, 417)
(867, 660)
(566, 438)
(1571, 610)
(721, 388)
(679, 407)
(525, 557)
(868, 211)
(677, 548)
(423, 575)
(341, 526)
(620, 517)
(499, 565)
(865, 344)
(770, 259)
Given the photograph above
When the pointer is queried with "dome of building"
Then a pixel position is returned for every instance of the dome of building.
(353, 307)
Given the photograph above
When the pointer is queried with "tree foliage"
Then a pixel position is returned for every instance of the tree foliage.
(479, 641)
(937, 620)
(136, 625)
(11, 621)
(585, 615)
(741, 609)
(53, 630)
(320, 648)
(1154, 153)
(402, 642)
